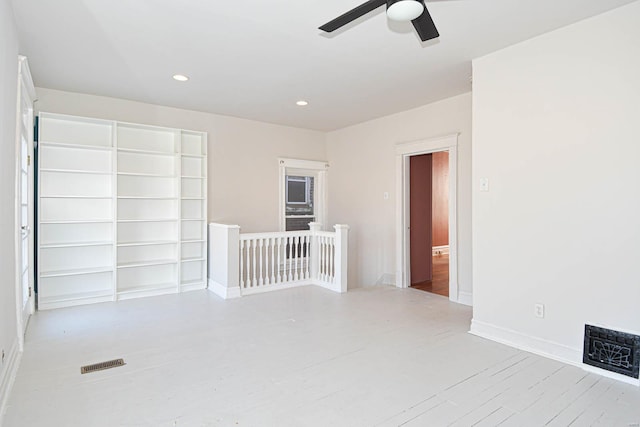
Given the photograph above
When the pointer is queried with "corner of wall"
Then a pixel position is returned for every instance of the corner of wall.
(387, 279)
(465, 298)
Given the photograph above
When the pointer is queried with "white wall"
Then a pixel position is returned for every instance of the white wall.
(243, 166)
(8, 94)
(362, 162)
(557, 132)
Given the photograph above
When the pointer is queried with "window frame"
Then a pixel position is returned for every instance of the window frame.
(297, 167)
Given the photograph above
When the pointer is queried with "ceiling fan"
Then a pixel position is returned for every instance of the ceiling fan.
(397, 10)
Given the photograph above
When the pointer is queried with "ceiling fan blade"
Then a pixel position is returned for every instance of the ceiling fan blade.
(424, 26)
(352, 15)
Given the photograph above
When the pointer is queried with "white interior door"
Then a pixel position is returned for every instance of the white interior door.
(24, 249)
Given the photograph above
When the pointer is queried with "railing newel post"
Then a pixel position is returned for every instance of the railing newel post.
(314, 252)
(224, 260)
(341, 257)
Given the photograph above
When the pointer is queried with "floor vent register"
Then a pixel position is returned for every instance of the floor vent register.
(102, 366)
(614, 351)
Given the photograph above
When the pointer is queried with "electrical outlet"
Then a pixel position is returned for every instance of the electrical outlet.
(539, 310)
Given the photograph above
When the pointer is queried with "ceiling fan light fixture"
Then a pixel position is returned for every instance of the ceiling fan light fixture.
(404, 10)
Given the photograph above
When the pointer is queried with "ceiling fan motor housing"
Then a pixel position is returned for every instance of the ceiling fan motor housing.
(399, 10)
(404, 10)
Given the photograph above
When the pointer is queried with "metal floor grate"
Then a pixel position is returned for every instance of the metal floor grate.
(614, 351)
(102, 366)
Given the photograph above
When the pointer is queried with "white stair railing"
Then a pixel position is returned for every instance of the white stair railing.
(269, 259)
(243, 264)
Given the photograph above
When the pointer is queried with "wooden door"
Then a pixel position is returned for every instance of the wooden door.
(420, 217)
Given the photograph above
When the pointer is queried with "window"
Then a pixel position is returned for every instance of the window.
(299, 206)
(302, 195)
(298, 190)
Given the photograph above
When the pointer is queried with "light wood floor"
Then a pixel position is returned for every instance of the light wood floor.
(302, 357)
(440, 277)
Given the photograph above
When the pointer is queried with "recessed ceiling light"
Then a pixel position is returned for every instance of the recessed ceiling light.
(302, 103)
(180, 77)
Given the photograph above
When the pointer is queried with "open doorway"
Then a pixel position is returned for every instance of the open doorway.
(404, 152)
(429, 222)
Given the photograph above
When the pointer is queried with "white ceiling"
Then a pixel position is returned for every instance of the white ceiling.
(255, 58)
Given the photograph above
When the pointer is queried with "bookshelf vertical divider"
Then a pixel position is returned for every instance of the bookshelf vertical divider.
(114, 228)
(178, 141)
(112, 218)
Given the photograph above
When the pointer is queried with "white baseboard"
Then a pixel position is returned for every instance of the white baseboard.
(276, 287)
(43, 304)
(329, 286)
(535, 345)
(8, 376)
(222, 291)
(542, 347)
(465, 298)
(440, 250)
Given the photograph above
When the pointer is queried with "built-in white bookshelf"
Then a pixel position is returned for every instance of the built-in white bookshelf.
(193, 211)
(122, 210)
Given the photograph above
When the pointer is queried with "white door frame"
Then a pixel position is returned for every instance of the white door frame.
(403, 152)
(316, 168)
(26, 94)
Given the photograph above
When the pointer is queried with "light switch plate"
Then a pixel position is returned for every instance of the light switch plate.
(484, 184)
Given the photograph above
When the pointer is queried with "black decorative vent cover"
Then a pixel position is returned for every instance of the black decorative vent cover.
(612, 350)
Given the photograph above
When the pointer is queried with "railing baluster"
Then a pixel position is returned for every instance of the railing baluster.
(292, 258)
(307, 252)
(254, 281)
(260, 256)
(279, 246)
(335, 260)
(326, 259)
(266, 261)
(319, 257)
(241, 264)
(247, 255)
(300, 258)
(329, 259)
(247, 266)
(287, 256)
(332, 247)
(295, 258)
(272, 245)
